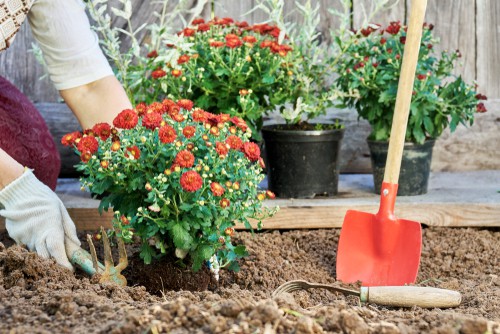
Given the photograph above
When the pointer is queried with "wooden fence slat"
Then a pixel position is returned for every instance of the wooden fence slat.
(20, 67)
(452, 22)
(395, 11)
(488, 46)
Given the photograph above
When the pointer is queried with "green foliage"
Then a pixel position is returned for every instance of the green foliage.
(223, 66)
(141, 171)
(369, 74)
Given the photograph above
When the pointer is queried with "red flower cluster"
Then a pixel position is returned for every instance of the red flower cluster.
(217, 189)
(151, 120)
(252, 151)
(393, 27)
(157, 74)
(167, 134)
(70, 138)
(88, 144)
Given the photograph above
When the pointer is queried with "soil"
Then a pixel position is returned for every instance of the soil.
(38, 296)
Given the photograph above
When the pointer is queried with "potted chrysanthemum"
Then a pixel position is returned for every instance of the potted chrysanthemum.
(178, 178)
(369, 68)
(224, 66)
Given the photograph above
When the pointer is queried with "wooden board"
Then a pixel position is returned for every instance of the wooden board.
(454, 200)
(488, 46)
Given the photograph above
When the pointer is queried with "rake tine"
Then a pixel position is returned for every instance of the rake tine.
(123, 262)
(93, 253)
(108, 258)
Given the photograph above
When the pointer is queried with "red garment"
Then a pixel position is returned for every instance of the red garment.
(24, 135)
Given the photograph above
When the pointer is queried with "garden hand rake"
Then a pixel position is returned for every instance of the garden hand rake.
(89, 264)
(380, 249)
(401, 296)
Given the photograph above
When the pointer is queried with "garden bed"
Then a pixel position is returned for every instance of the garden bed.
(38, 296)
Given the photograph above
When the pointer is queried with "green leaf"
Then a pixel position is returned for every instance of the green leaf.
(268, 79)
(240, 251)
(181, 237)
(146, 253)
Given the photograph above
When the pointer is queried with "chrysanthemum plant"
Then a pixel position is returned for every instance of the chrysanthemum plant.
(369, 69)
(230, 67)
(177, 177)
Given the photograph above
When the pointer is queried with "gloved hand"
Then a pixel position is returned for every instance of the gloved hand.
(36, 217)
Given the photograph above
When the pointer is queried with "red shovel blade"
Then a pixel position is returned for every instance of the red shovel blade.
(379, 249)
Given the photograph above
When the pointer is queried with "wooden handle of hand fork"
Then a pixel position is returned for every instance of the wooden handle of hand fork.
(405, 88)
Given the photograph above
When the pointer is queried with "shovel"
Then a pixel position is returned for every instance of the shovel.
(380, 249)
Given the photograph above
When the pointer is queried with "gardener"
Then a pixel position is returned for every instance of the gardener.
(29, 161)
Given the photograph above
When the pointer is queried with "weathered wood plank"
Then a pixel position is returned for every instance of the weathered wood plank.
(453, 200)
(453, 24)
(488, 46)
(394, 11)
(19, 66)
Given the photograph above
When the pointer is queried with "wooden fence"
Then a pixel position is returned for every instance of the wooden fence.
(472, 26)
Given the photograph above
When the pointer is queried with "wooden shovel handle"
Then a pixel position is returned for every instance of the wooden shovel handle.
(405, 88)
(408, 296)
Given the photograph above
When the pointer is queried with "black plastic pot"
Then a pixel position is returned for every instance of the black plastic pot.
(302, 163)
(415, 166)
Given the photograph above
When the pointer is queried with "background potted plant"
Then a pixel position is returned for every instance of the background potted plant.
(369, 70)
(222, 65)
(178, 178)
(303, 150)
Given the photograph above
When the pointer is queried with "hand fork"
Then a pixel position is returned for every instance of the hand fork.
(401, 296)
(89, 263)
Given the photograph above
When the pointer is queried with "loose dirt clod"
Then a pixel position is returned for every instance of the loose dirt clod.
(38, 296)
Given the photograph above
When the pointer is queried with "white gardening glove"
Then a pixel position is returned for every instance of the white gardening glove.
(37, 218)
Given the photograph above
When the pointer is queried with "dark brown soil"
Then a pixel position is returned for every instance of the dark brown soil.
(37, 296)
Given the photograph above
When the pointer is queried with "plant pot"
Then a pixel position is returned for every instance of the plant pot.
(302, 163)
(415, 166)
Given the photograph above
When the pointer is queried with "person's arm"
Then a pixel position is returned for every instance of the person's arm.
(97, 102)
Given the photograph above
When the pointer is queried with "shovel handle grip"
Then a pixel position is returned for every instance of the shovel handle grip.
(405, 88)
(409, 296)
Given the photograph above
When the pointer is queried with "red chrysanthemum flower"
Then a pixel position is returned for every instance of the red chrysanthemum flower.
(189, 131)
(240, 122)
(203, 27)
(183, 59)
(152, 54)
(224, 203)
(151, 120)
(176, 73)
(133, 152)
(223, 118)
(85, 156)
(234, 142)
(217, 189)
(141, 108)
(188, 32)
(266, 44)
(215, 131)
(178, 117)
(157, 74)
(167, 134)
(481, 97)
(185, 104)
(88, 144)
(393, 27)
(115, 146)
(103, 130)
(252, 151)
(217, 44)
(191, 181)
(233, 42)
(199, 115)
(157, 107)
(421, 77)
(127, 119)
(242, 24)
(221, 148)
(402, 39)
(184, 159)
(70, 138)
(198, 21)
(480, 108)
(249, 39)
